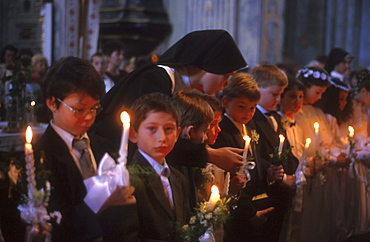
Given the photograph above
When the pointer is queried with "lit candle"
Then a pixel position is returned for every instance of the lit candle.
(125, 119)
(351, 133)
(246, 146)
(308, 142)
(316, 127)
(30, 163)
(214, 198)
(32, 110)
(282, 139)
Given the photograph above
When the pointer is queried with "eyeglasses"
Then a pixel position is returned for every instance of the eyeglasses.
(81, 112)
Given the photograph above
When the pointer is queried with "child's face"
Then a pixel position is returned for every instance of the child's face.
(116, 58)
(66, 119)
(240, 109)
(199, 135)
(156, 135)
(364, 96)
(214, 129)
(213, 83)
(313, 94)
(40, 68)
(292, 101)
(270, 97)
(342, 99)
(100, 64)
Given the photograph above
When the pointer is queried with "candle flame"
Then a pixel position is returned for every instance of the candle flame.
(308, 142)
(247, 138)
(28, 134)
(282, 138)
(33, 103)
(125, 118)
(215, 191)
(316, 126)
(351, 131)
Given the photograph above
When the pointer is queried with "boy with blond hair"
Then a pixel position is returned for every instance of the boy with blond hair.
(272, 82)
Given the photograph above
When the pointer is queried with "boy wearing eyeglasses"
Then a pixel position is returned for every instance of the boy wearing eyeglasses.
(72, 89)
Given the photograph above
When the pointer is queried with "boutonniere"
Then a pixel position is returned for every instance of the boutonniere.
(254, 136)
(285, 122)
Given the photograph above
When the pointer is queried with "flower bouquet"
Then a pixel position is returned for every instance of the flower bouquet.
(206, 221)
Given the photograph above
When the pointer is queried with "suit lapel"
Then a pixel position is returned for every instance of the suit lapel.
(265, 127)
(154, 185)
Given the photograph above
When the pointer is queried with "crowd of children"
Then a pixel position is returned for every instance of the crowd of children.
(185, 140)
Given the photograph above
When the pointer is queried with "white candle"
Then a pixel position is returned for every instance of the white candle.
(282, 139)
(125, 119)
(214, 198)
(351, 133)
(246, 146)
(306, 146)
(316, 127)
(30, 163)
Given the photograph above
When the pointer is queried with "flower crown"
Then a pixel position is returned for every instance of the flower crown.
(316, 74)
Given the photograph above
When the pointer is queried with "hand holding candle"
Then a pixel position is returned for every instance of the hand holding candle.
(214, 198)
(125, 119)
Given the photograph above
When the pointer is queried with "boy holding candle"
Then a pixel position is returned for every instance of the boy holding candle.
(272, 82)
(72, 89)
(239, 99)
(161, 196)
(195, 116)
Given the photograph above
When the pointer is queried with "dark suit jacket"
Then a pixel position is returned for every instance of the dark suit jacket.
(278, 193)
(79, 222)
(157, 219)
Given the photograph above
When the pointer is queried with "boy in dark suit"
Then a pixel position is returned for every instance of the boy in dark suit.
(239, 99)
(161, 195)
(72, 89)
(272, 82)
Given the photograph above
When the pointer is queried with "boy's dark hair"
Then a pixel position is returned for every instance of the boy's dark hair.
(111, 46)
(193, 110)
(268, 75)
(99, 54)
(293, 84)
(4, 49)
(313, 76)
(242, 85)
(153, 102)
(212, 101)
(72, 75)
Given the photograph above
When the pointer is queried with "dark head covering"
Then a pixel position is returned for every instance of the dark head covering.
(213, 51)
(336, 56)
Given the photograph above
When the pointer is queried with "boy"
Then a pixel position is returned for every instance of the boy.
(161, 196)
(100, 63)
(271, 82)
(114, 51)
(195, 118)
(239, 99)
(291, 103)
(72, 89)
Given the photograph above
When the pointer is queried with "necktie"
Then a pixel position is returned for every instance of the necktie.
(272, 120)
(165, 174)
(87, 168)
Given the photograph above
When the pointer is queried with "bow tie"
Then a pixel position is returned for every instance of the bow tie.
(291, 124)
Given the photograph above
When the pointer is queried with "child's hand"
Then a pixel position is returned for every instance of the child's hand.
(275, 173)
(290, 181)
(121, 196)
(226, 158)
(261, 216)
(236, 184)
